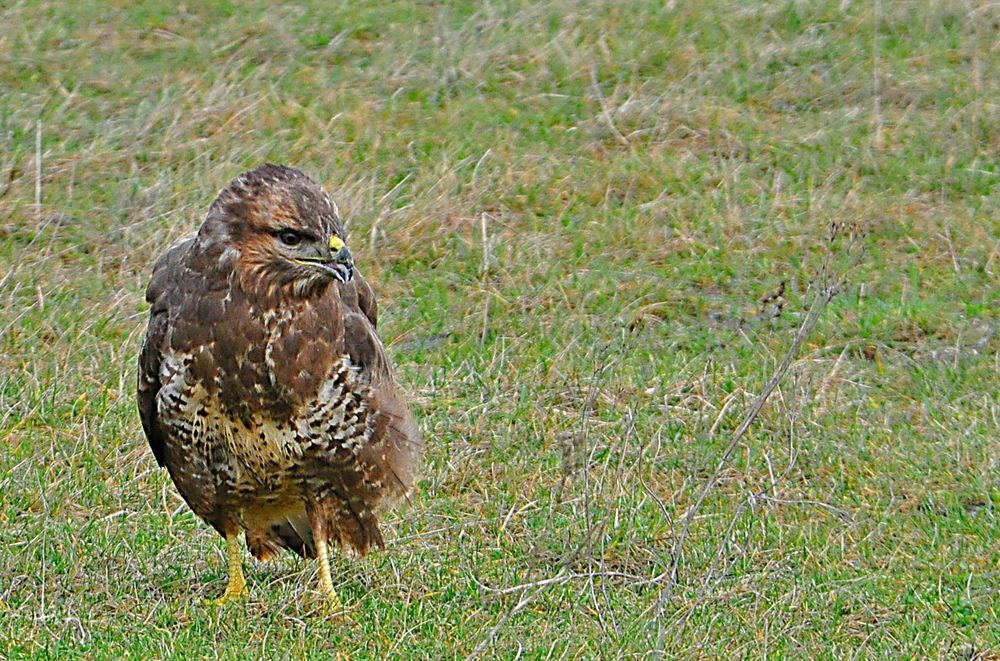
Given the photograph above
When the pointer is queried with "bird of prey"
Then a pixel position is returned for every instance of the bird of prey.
(263, 386)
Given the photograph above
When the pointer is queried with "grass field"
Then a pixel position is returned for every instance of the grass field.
(595, 229)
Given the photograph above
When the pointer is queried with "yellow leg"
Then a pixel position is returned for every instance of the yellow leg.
(237, 584)
(323, 558)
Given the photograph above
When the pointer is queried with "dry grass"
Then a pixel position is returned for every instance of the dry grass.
(595, 229)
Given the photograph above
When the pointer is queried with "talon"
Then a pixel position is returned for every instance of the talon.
(334, 602)
(234, 592)
(334, 605)
(237, 586)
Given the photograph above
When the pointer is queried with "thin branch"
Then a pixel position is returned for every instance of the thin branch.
(604, 107)
(38, 170)
(563, 577)
(876, 84)
(525, 599)
(815, 311)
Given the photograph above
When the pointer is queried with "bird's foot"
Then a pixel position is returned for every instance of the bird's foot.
(237, 586)
(236, 590)
(333, 607)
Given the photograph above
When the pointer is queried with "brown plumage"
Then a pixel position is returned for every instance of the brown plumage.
(263, 386)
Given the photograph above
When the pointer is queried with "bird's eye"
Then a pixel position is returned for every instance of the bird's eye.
(290, 237)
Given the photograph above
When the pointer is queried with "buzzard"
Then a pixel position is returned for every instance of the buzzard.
(263, 386)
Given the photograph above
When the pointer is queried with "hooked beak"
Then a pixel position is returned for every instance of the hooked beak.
(337, 261)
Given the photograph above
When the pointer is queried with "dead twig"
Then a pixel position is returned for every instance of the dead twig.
(38, 170)
(604, 107)
(820, 301)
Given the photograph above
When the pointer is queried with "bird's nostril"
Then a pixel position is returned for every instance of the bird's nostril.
(343, 256)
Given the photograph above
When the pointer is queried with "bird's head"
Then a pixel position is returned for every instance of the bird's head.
(279, 231)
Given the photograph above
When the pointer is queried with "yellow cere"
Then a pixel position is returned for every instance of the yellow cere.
(336, 243)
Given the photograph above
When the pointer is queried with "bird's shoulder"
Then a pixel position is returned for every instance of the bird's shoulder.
(360, 295)
(170, 269)
(361, 343)
(165, 272)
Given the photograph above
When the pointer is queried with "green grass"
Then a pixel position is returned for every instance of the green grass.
(646, 175)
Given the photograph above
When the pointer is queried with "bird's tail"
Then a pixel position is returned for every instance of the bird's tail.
(293, 533)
